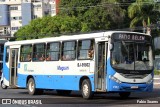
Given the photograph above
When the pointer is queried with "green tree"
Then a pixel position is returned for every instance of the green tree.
(94, 14)
(142, 13)
(48, 26)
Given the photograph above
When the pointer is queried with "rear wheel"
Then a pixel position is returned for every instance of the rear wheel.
(3, 86)
(86, 89)
(31, 87)
(124, 95)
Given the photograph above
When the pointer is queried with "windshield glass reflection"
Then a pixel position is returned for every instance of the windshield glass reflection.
(132, 56)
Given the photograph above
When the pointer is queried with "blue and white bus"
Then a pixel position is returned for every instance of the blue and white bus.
(112, 61)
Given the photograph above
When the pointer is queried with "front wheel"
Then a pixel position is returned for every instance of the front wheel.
(86, 89)
(31, 86)
(124, 95)
(3, 86)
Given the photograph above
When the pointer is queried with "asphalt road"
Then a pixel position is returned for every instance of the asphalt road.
(21, 98)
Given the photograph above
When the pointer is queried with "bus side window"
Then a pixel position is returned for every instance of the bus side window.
(69, 50)
(39, 52)
(90, 52)
(85, 49)
(53, 51)
(35, 57)
(25, 55)
(48, 58)
(42, 58)
(7, 54)
(28, 57)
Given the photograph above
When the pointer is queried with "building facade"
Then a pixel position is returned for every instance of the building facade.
(17, 13)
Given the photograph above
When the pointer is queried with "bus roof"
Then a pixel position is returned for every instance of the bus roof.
(69, 37)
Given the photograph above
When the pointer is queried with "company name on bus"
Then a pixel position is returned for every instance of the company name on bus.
(130, 37)
(62, 68)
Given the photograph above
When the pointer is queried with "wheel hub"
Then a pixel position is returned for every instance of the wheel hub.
(85, 89)
(31, 86)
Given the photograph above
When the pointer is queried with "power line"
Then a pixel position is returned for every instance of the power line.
(92, 6)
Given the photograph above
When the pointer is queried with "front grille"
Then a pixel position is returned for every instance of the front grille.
(133, 76)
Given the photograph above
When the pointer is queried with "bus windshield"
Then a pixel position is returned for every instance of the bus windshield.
(132, 55)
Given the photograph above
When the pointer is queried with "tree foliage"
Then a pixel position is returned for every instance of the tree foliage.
(94, 14)
(90, 15)
(48, 26)
(142, 13)
(75, 16)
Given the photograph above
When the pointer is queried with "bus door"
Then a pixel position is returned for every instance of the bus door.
(100, 75)
(13, 67)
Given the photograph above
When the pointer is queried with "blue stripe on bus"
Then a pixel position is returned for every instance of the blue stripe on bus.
(6, 73)
(126, 87)
(110, 71)
(64, 82)
(5, 68)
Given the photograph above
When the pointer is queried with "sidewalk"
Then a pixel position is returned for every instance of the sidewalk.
(156, 79)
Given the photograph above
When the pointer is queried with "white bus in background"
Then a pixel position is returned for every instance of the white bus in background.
(112, 61)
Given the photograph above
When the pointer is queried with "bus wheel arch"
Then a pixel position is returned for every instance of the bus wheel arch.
(86, 87)
(31, 86)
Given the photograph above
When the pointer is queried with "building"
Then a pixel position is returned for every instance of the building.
(5, 31)
(17, 13)
(54, 7)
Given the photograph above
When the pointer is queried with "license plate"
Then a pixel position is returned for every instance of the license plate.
(134, 87)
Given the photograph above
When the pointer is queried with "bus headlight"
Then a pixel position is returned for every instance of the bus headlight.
(149, 81)
(115, 79)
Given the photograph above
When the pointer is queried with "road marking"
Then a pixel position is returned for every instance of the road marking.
(156, 78)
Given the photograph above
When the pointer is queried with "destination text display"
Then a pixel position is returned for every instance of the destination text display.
(131, 37)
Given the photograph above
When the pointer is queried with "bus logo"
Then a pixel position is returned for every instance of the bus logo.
(25, 67)
(62, 68)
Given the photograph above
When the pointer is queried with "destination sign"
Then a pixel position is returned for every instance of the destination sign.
(131, 37)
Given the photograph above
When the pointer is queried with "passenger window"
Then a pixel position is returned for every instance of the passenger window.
(68, 50)
(53, 51)
(25, 55)
(7, 54)
(85, 49)
(1, 51)
(39, 52)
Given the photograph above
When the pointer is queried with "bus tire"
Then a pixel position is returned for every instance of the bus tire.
(31, 87)
(86, 89)
(3, 86)
(124, 95)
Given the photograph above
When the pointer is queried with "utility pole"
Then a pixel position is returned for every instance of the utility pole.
(144, 26)
(148, 31)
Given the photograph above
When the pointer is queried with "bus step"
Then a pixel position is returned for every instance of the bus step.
(100, 90)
